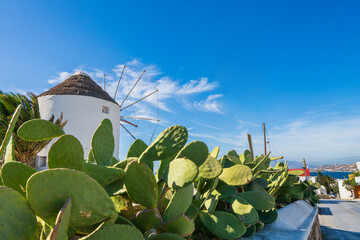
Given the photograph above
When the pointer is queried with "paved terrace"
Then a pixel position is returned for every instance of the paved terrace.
(339, 219)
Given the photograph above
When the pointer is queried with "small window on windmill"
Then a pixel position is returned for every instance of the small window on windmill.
(105, 109)
(42, 161)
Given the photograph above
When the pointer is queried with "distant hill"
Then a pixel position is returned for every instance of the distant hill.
(335, 168)
(295, 164)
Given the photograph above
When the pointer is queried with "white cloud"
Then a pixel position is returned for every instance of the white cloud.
(210, 104)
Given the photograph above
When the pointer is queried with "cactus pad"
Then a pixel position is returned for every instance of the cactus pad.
(195, 151)
(234, 157)
(59, 232)
(211, 203)
(140, 184)
(66, 152)
(179, 203)
(10, 129)
(180, 173)
(15, 175)
(10, 151)
(102, 174)
(225, 191)
(246, 212)
(223, 224)
(181, 225)
(211, 168)
(258, 199)
(215, 152)
(115, 232)
(17, 220)
(39, 130)
(165, 236)
(147, 219)
(103, 143)
(137, 148)
(236, 175)
(298, 172)
(250, 230)
(192, 212)
(167, 144)
(268, 216)
(48, 190)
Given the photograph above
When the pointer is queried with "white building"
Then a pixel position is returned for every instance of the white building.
(84, 105)
(358, 165)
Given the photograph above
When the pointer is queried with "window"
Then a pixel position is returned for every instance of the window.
(41, 161)
(105, 109)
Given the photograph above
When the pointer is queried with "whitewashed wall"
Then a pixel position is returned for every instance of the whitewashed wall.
(344, 194)
(84, 115)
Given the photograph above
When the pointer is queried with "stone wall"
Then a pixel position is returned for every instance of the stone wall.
(315, 233)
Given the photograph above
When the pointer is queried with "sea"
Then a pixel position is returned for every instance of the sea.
(337, 175)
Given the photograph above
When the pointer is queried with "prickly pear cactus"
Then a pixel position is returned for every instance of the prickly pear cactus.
(10, 151)
(59, 232)
(102, 174)
(180, 173)
(215, 152)
(258, 199)
(165, 236)
(48, 190)
(236, 175)
(181, 225)
(10, 129)
(179, 203)
(223, 224)
(268, 216)
(15, 175)
(66, 152)
(196, 151)
(140, 184)
(166, 145)
(147, 219)
(103, 143)
(246, 212)
(210, 169)
(17, 220)
(137, 148)
(234, 157)
(39, 130)
(115, 232)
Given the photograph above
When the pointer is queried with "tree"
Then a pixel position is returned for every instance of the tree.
(350, 185)
(24, 151)
(328, 182)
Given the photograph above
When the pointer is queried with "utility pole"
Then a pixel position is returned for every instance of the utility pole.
(264, 139)
(304, 168)
(104, 83)
(250, 145)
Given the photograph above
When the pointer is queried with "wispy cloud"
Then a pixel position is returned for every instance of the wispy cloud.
(210, 104)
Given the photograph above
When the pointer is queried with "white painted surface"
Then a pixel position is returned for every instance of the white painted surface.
(294, 222)
(321, 190)
(84, 115)
(344, 194)
(311, 178)
(358, 165)
(357, 180)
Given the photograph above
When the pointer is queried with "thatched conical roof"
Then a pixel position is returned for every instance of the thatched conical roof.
(79, 84)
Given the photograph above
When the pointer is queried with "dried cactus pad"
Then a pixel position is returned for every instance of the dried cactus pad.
(167, 144)
(140, 184)
(236, 175)
(115, 232)
(103, 143)
(17, 220)
(195, 151)
(66, 152)
(15, 175)
(47, 191)
(39, 130)
(59, 232)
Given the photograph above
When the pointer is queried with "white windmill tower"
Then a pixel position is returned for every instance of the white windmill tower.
(84, 105)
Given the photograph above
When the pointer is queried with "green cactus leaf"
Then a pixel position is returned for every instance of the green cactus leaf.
(268, 216)
(236, 175)
(179, 203)
(165, 236)
(59, 232)
(137, 148)
(196, 151)
(66, 152)
(15, 175)
(116, 188)
(181, 225)
(211, 168)
(244, 210)
(225, 191)
(192, 212)
(17, 220)
(103, 143)
(298, 172)
(166, 145)
(140, 184)
(263, 164)
(115, 232)
(233, 157)
(48, 190)
(91, 158)
(258, 199)
(104, 175)
(180, 173)
(223, 224)
(259, 226)
(9, 130)
(247, 156)
(262, 182)
(250, 230)
(39, 130)
(253, 186)
(147, 219)
(211, 203)
(10, 153)
(215, 152)
(114, 161)
(123, 220)
(125, 162)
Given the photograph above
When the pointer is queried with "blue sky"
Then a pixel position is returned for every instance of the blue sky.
(222, 68)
